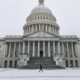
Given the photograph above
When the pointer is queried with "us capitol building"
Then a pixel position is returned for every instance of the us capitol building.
(40, 44)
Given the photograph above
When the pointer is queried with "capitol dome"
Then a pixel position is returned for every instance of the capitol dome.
(41, 19)
(41, 8)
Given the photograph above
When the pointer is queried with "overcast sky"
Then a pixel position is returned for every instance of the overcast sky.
(13, 14)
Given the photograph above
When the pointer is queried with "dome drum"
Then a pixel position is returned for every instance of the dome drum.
(41, 17)
(30, 29)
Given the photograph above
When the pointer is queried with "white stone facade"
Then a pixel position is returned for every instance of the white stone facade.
(41, 39)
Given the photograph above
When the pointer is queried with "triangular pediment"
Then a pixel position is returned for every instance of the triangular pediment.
(41, 34)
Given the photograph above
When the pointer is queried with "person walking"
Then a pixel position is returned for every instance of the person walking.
(41, 68)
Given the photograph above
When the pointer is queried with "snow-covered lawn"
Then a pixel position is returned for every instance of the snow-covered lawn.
(23, 74)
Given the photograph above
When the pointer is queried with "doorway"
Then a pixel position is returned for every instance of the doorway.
(41, 53)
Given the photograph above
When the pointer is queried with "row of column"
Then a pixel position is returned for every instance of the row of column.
(44, 48)
(41, 27)
(11, 51)
(73, 52)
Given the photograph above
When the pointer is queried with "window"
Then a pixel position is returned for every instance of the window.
(66, 63)
(10, 64)
(38, 17)
(5, 63)
(43, 17)
(71, 63)
(15, 63)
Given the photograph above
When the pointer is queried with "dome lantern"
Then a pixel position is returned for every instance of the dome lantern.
(41, 2)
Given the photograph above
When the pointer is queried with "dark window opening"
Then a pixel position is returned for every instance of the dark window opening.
(66, 63)
(10, 64)
(5, 63)
(15, 64)
(71, 63)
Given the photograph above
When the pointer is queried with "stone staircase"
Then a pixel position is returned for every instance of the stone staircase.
(46, 62)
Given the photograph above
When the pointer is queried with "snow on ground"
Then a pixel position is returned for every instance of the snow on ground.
(24, 74)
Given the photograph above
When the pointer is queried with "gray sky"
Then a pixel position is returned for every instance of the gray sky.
(13, 14)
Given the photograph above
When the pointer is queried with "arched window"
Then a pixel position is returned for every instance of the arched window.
(38, 17)
(71, 63)
(66, 63)
(44, 17)
(10, 64)
(5, 63)
(15, 63)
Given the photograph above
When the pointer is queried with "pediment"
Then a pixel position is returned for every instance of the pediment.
(41, 34)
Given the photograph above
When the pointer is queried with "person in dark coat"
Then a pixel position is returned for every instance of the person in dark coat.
(41, 68)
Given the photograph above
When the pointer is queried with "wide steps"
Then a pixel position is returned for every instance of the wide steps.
(41, 61)
(46, 62)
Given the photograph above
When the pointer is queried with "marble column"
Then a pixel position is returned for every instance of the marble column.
(59, 48)
(46, 27)
(33, 48)
(38, 49)
(36, 28)
(19, 48)
(49, 49)
(72, 50)
(44, 49)
(63, 48)
(6, 47)
(9, 49)
(55, 30)
(14, 49)
(23, 47)
(13, 64)
(39, 27)
(67, 50)
(32, 28)
(28, 48)
(29, 28)
(76, 50)
(74, 63)
(53, 48)
(8, 63)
